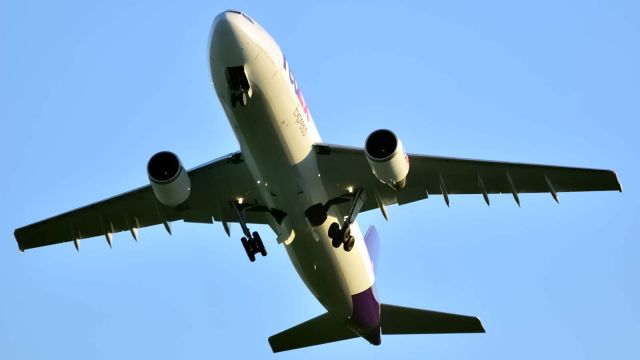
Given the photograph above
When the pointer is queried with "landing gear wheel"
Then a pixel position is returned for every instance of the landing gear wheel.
(242, 98)
(259, 245)
(263, 251)
(333, 230)
(336, 242)
(334, 234)
(248, 248)
(346, 234)
(348, 245)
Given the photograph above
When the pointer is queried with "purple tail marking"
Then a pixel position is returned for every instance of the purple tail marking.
(366, 315)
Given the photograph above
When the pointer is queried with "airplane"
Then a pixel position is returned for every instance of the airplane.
(308, 192)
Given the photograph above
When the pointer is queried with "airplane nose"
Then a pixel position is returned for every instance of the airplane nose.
(231, 40)
(224, 25)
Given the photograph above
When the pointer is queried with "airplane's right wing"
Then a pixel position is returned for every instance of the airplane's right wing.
(343, 167)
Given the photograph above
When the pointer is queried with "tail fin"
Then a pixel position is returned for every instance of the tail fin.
(402, 320)
(372, 241)
(323, 329)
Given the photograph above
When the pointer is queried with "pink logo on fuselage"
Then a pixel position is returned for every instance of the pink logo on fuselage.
(296, 89)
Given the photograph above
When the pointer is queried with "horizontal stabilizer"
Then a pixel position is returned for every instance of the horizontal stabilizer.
(401, 320)
(319, 330)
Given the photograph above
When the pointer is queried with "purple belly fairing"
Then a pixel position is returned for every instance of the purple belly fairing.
(366, 315)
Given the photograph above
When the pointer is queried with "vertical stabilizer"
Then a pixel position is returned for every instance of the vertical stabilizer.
(372, 241)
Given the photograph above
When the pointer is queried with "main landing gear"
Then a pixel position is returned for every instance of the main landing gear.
(251, 242)
(253, 245)
(341, 236)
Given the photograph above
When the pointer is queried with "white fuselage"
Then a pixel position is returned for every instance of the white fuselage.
(276, 135)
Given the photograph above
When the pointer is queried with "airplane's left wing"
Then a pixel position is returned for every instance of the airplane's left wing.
(213, 186)
(347, 167)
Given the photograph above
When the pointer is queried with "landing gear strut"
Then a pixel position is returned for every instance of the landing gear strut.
(341, 236)
(251, 242)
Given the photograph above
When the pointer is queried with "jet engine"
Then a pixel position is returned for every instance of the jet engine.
(386, 156)
(169, 180)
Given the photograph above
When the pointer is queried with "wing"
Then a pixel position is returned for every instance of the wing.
(343, 167)
(213, 186)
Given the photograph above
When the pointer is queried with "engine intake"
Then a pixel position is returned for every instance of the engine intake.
(169, 180)
(386, 156)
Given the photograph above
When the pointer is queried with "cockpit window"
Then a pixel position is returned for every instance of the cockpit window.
(247, 17)
(241, 13)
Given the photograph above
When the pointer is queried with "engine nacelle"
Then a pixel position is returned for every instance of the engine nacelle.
(386, 156)
(169, 180)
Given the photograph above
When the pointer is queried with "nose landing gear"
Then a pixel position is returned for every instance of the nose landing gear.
(239, 88)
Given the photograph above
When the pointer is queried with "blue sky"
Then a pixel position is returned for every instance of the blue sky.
(89, 91)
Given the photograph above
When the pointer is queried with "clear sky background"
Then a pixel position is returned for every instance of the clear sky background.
(90, 90)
